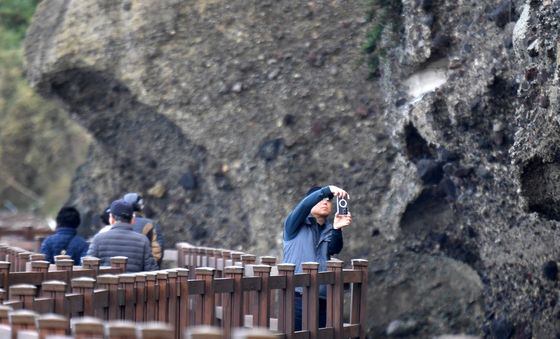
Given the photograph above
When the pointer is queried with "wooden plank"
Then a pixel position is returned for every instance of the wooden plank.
(301, 335)
(352, 276)
(326, 333)
(73, 304)
(326, 278)
(277, 282)
(301, 280)
(251, 284)
(196, 287)
(43, 305)
(100, 299)
(351, 330)
(15, 304)
(223, 285)
(32, 278)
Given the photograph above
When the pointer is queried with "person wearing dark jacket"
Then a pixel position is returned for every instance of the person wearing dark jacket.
(65, 239)
(309, 237)
(146, 226)
(122, 240)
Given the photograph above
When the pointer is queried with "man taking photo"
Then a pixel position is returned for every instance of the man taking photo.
(308, 236)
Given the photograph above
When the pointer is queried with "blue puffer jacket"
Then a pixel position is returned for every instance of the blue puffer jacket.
(64, 238)
(121, 240)
(305, 240)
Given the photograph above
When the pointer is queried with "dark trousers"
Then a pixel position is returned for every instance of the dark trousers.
(298, 309)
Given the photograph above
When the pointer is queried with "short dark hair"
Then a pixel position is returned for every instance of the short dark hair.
(120, 218)
(68, 217)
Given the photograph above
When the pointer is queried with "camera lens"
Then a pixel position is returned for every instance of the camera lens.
(342, 203)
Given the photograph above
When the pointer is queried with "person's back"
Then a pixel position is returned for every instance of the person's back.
(148, 227)
(65, 240)
(121, 240)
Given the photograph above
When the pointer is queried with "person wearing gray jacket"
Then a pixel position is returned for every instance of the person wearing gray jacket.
(122, 240)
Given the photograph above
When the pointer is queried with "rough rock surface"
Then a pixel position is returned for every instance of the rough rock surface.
(226, 112)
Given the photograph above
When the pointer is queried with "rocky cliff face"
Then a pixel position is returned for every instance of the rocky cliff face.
(223, 114)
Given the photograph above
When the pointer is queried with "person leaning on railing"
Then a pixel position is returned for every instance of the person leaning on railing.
(308, 236)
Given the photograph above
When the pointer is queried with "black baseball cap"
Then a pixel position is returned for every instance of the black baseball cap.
(121, 208)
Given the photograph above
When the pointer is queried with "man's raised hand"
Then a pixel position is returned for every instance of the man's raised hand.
(338, 192)
(342, 220)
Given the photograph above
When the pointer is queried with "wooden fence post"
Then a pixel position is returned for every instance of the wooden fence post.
(118, 329)
(200, 252)
(215, 255)
(157, 331)
(11, 258)
(271, 261)
(183, 309)
(22, 320)
(233, 303)
(25, 293)
(151, 305)
(85, 286)
(335, 299)
(358, 311)
(4, 314)
(140, 312)
(263, 313)
(40, 266)
(253, 333)
(52, 324)
(236, 259)
(190, 258)
(126, 281)
(37, 257)
(226, 255)
(3, 251)
(180, 254)
(250, 297)
(91, 263)
(23, 260)
(66, 265)
(88, 328)
(310, 300)
(286, 320)
(205, 332)
(163, 295)
(208, 310)
(55, 289)
(61, 257)
(110, 282)
(172, 298)
(4, 274)
(119, 262)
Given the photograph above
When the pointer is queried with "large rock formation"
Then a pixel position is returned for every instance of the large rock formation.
(224, 113)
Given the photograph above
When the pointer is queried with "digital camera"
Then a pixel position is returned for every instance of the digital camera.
(341, 206)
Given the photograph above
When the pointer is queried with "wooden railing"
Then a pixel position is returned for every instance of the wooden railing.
(30, 325)
(213, 287)
(267, 291)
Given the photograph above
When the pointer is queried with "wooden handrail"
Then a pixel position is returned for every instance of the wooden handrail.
(225, 295)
